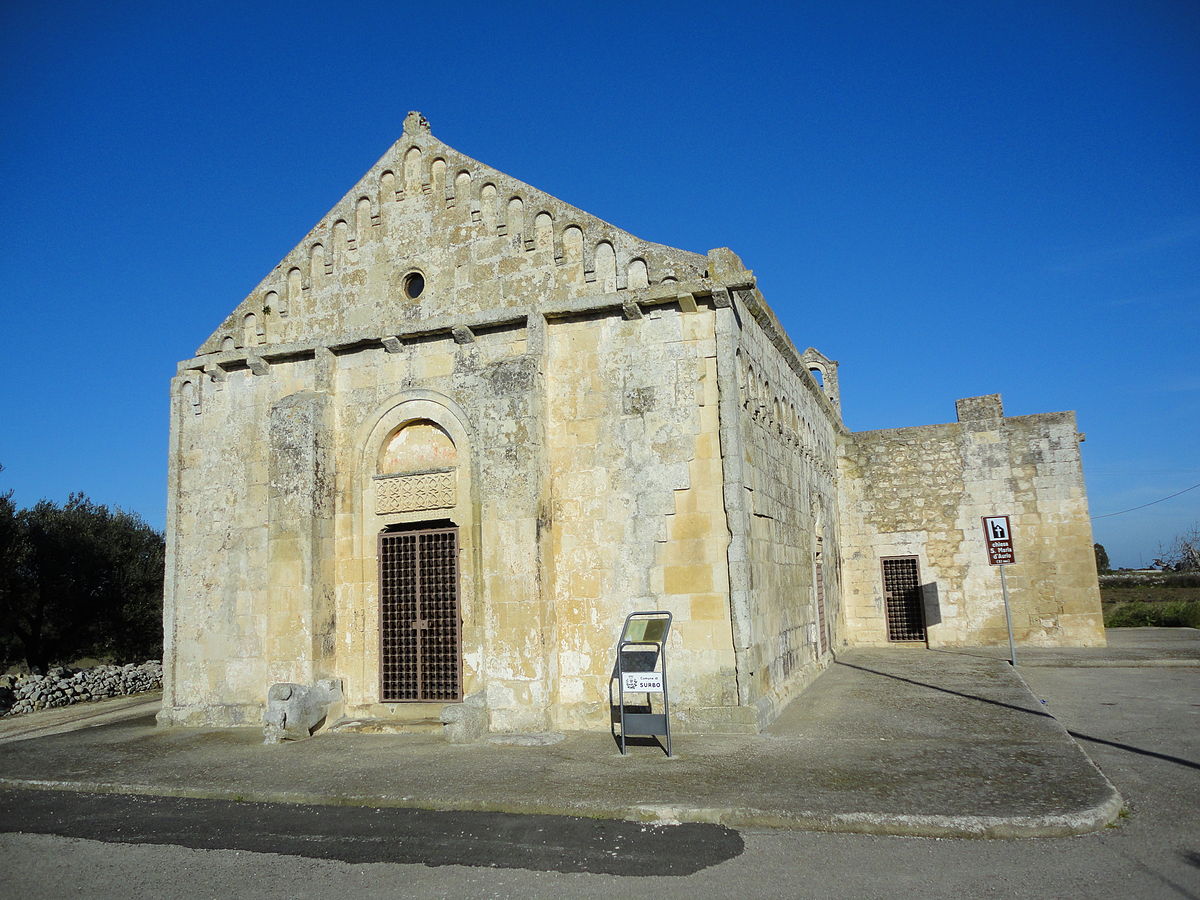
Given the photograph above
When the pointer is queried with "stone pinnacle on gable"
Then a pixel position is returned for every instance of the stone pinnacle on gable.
(415, 123)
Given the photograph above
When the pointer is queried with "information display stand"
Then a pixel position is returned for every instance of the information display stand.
(641, 668)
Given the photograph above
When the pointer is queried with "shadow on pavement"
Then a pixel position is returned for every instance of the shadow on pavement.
(1131, 749)
(934, 687)
(1037, 712)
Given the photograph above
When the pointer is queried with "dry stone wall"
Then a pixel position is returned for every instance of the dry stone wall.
(64, 686)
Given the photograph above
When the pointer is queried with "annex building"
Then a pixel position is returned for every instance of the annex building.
(462, 429)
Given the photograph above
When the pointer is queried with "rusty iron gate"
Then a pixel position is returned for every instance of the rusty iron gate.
(419, 623)
(902, 599)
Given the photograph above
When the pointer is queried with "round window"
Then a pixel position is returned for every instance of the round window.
(414, 285)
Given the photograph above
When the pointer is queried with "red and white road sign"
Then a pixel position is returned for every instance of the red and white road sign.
(997, 533)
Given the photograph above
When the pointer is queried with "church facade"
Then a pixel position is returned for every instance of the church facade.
(463, 429)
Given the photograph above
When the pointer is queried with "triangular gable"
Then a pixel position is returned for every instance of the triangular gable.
(481, 240)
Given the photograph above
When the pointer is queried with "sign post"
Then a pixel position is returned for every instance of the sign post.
(641, 668)
(997, 534)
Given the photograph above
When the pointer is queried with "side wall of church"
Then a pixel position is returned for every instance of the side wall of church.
(782, 497)
(922, 492)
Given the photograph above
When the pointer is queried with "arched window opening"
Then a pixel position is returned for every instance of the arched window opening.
(249, 330)
(637, 274)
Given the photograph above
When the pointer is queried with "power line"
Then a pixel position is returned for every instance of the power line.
(1127, 473)
(1151, 503)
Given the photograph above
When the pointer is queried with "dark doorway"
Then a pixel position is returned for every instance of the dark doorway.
(819, 582)
(902, 599)
(419, 625)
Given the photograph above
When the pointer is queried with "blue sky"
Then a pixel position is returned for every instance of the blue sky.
(950, 198)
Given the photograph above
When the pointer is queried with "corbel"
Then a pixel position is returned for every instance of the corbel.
(216, 374)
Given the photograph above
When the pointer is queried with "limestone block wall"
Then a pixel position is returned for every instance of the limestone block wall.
(218, 616)
(586, 482)
(781, 433)
(635, 519)
(300, 613)
(273, 570)
(485, 394)
(922, 492)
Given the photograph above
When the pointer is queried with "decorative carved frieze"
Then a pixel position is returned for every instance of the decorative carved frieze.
(410, 493)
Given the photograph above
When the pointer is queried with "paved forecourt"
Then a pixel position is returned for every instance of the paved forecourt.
(887, 741)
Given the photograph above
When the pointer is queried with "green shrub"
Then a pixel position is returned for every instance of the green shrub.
(1143, 579)
(1168, 614)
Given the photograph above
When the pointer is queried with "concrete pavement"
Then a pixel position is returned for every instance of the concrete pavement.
(73, 718)
(888, 741)
(1127, 648)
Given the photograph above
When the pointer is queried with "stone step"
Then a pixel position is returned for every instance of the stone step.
(427, 725)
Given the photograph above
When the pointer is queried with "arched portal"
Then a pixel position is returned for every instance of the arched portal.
(420, 649)
(417, 537)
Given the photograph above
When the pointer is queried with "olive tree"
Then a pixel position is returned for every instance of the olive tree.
(78, 579)
(1183, 553)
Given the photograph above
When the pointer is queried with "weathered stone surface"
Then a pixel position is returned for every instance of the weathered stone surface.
(466, 722)
(605, 424)
(295, 711)
(923, 492)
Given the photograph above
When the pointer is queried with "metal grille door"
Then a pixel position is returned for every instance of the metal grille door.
(902, 599)
(819, 578)
(418, 616)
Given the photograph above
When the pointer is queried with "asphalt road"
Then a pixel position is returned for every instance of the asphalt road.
(1140, 725)
(355, 835)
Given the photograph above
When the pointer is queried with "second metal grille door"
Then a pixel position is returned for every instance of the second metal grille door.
(902, 599)
(819, 579)
(420, 657)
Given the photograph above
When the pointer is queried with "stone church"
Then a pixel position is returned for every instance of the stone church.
(463, 429)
